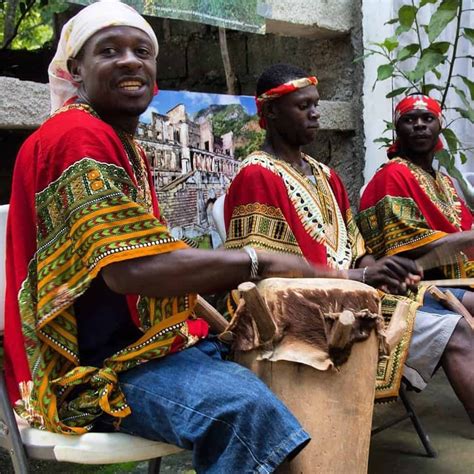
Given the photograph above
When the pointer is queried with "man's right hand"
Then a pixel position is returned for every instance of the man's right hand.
(393, 274)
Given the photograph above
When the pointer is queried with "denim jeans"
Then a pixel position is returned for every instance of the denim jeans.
(220, 410)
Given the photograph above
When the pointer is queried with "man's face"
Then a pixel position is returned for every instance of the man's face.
(117, 70)
(295, 116)
(418, 131)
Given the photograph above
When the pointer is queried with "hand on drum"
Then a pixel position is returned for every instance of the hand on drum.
(393, 274)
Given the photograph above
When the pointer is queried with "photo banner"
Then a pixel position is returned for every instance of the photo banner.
(233, 14)
(194, 142)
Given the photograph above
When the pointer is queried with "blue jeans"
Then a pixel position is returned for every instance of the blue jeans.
(220, 410)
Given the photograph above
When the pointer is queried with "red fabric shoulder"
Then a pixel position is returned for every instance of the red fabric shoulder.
(340, 192)
(392, 179)
(73, 135)
(254, 183)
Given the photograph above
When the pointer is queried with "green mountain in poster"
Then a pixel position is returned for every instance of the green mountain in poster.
(248, 136)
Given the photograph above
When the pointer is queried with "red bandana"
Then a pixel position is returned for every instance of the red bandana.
(415, 102)
(280, 90)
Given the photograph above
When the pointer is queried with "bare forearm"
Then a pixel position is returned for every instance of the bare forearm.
(458, 238)
(203, 271)
(179, 272)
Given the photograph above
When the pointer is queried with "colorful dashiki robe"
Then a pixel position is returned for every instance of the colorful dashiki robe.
(81, 200)
(272, 206)
(404, 207)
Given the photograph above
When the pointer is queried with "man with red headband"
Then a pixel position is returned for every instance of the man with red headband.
(285, 201)
(408, 209)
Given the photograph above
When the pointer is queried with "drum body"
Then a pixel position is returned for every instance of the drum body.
(333, 405)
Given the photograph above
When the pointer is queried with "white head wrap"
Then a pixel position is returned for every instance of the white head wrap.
(77, 31)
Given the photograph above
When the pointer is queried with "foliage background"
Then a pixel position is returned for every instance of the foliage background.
(432, 51)
(28, 24)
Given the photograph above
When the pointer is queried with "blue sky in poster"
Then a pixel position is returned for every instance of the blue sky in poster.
(195, 101)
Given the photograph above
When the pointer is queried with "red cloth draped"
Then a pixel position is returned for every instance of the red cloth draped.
(403, 207)
(82, 198)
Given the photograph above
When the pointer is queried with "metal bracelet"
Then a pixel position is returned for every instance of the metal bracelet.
(364, 271)
(253, 262)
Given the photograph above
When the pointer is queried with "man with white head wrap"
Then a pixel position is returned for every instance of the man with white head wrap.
(77, 31)
(85, 237)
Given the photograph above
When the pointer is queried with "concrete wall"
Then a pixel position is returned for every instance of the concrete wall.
(376, 108)
(190, 60)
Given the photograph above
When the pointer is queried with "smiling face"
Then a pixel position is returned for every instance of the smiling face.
(418, 132)
(116, 70)
(295, 117)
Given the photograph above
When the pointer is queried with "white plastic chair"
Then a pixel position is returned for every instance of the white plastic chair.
(24, 442)
(218, 217)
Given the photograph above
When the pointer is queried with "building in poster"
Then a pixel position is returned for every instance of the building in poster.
(190, 166)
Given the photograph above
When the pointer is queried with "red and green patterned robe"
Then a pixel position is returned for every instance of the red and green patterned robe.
(81, 200)
(272, 206)
(404, 207)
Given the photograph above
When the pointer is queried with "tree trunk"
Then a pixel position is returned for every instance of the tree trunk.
(229, 73)
(10, 23)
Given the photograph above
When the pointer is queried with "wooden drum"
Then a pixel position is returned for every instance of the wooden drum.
(316, 347)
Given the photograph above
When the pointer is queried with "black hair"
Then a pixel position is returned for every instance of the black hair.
(278, 74)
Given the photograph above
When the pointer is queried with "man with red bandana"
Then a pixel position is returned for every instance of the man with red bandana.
(409, 209)
(284, 201)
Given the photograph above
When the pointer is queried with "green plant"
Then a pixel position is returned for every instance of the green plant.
(27, 24)
(428, 54)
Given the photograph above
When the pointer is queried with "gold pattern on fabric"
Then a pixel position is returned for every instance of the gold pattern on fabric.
(315, 205)
(390, 369)
(261, 226)
(439, 189)
(396, 224)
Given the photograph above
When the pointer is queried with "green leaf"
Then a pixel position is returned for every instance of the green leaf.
(385, 141)
(427, 88)
(467, 113)
(390, 43)
(444, 158)
(437, 74)
(408, 51)
(469, 84)
(428, 61)
(451, 139)
(424, 2)
(384, 71)
(463, 157)
(401, 29)
(462, 95)
(445, 13)
(389, 125)
(362, 57)
(469, 34)
(406, 16)
(391, 22)
(439, 47)
(396, 92)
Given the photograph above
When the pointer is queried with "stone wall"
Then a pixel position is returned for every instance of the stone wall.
(326, 45)
(190, 60)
